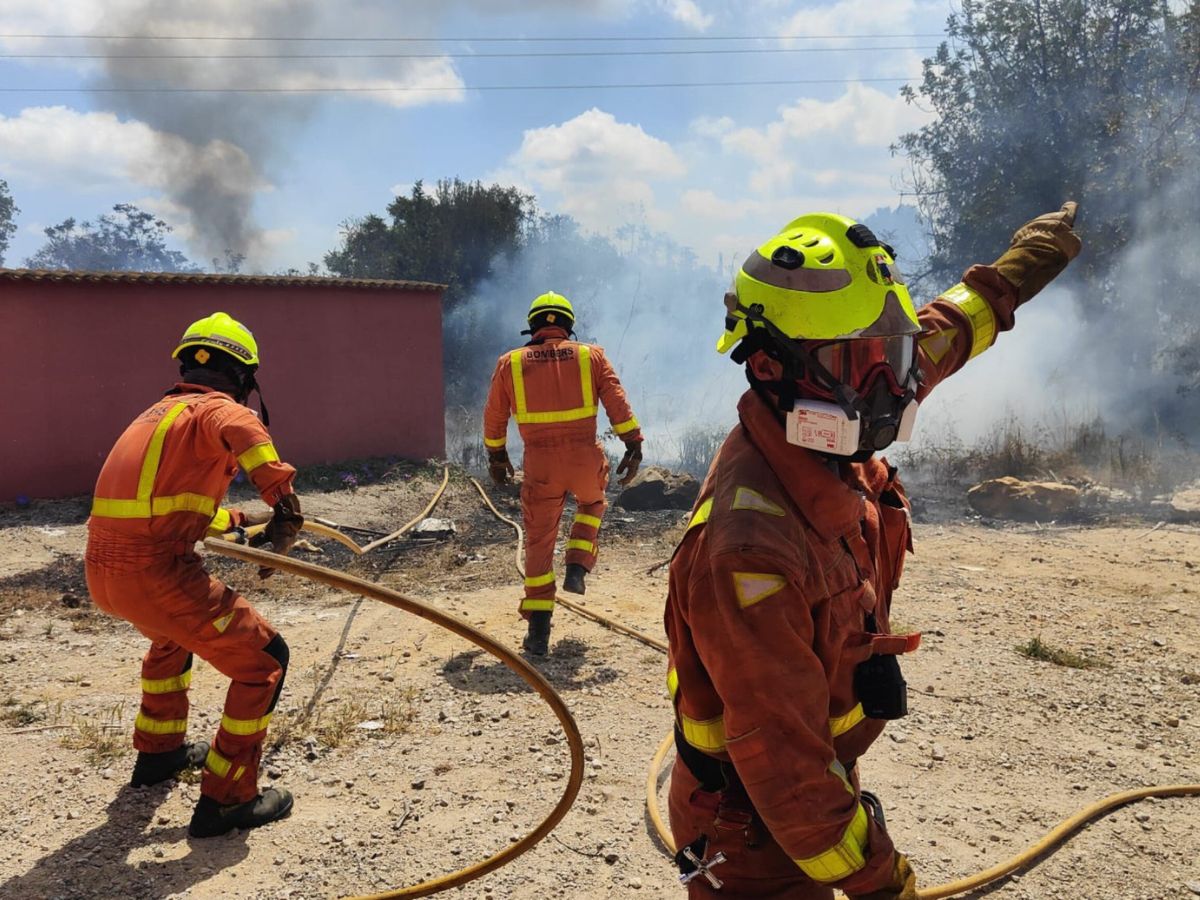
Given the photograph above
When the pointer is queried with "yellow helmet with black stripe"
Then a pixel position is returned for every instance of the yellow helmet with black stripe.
(550, 306)
(220, 331)
(822, 277)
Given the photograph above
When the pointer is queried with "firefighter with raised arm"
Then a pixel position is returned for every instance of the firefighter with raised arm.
(553, 387)
(159, 492)
(783, 668)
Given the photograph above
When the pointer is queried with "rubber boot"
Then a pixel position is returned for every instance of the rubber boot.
(537, 638)
(152, 768)
(211, 819)
(573, 579)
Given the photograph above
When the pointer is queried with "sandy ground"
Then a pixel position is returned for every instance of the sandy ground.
(461, 758)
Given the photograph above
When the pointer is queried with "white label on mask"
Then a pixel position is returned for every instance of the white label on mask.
(908, 419)
(823, 427)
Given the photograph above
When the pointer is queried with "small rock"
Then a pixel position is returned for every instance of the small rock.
(938, 752)
(419, 784)
(1193, 886)
(611, 858)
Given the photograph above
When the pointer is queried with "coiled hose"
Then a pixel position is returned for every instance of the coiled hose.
(529, 674)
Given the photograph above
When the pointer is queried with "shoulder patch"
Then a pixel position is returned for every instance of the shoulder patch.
(751, 587)
(746, 498)
(938, 344)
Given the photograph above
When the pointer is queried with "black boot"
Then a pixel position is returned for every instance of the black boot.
(537, 638)
(151, 768)
(573, 579)
(211, 818)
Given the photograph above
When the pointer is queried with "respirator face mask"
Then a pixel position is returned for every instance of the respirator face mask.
(854, 397)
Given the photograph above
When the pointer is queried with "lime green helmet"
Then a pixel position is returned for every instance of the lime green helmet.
(551, 305)
(220, 331)
(822, 277)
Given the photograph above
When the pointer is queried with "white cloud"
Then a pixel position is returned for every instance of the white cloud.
(711, 126)
(688, 13)
(852, 17)
(595, 168)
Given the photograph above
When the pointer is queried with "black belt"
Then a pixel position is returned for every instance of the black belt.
(714, 775)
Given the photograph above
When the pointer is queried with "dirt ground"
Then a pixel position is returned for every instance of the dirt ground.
(458, 758)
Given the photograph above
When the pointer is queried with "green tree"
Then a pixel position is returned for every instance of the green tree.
(1038, 101)
(454, 235)
(8, 210)
(127, 239)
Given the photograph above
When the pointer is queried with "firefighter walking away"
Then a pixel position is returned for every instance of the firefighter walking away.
(783, 668)
(160, 492)
(553, 387)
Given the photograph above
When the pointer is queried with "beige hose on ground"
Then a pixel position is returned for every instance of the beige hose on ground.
(529, 674)
(562, 601)
(1026, 857)
(320, 528)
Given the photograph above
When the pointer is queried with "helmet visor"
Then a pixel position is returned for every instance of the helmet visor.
(859, 361)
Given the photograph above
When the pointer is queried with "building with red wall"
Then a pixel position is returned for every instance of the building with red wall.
(351, 368)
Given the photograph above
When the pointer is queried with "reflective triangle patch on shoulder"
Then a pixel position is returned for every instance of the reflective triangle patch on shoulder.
(938, 344)
(751, 587)
(223, 622)
(746, 498)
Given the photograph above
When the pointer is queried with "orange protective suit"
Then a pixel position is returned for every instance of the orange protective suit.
(158, 493)
(551, 387)
(786, 556)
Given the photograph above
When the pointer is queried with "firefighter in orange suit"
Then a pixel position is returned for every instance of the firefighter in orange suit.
(783, 669)
(160, 492)
(551, 386)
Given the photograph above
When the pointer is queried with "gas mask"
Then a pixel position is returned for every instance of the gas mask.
(869, 388)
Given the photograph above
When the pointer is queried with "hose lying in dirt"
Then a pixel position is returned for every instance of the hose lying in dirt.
(529, 674)
(562, 601)
(1023, 859)
(327, 529)
(1027, 857)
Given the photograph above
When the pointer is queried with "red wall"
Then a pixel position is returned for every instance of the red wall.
(346, 372)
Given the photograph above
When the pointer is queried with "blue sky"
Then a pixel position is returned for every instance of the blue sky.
(716, 167)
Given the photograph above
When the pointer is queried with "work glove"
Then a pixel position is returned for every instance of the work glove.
(903, 885)
(630, 462)
(282, 530)
(499, 467)
(1040, 250)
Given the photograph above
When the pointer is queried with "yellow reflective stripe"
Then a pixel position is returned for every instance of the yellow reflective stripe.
(629, 425)
(241, 770)
(525, 417)
(701, 515)
(844, 858)
(217, 764)
(167, 685)
(841, 724)
(495, 442)
(586, 546)
(120, 509)
(154, 452)
(159, 726)
(566, 415)
(159, 506)
(672, 682)
(537, 604)
(585, 519)
(518, 380)
(539, 580)
(979, 312)
(220, 523)
(707, 735)
(245, 726)
(257, 456)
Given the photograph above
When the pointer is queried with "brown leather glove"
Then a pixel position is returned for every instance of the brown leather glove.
(1040, 250)
(499, 466)
(903, 885)
(630, 462)
(282, 530)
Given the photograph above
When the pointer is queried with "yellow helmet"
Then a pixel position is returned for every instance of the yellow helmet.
(551, 305)
(221, 332)
(822, 277)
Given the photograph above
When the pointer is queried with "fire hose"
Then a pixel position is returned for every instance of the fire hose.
(514, 662)
(1025, 858)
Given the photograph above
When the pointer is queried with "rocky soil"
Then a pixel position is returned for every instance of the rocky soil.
(411, 754)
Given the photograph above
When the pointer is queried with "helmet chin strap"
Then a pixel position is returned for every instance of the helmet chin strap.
(251, 384)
